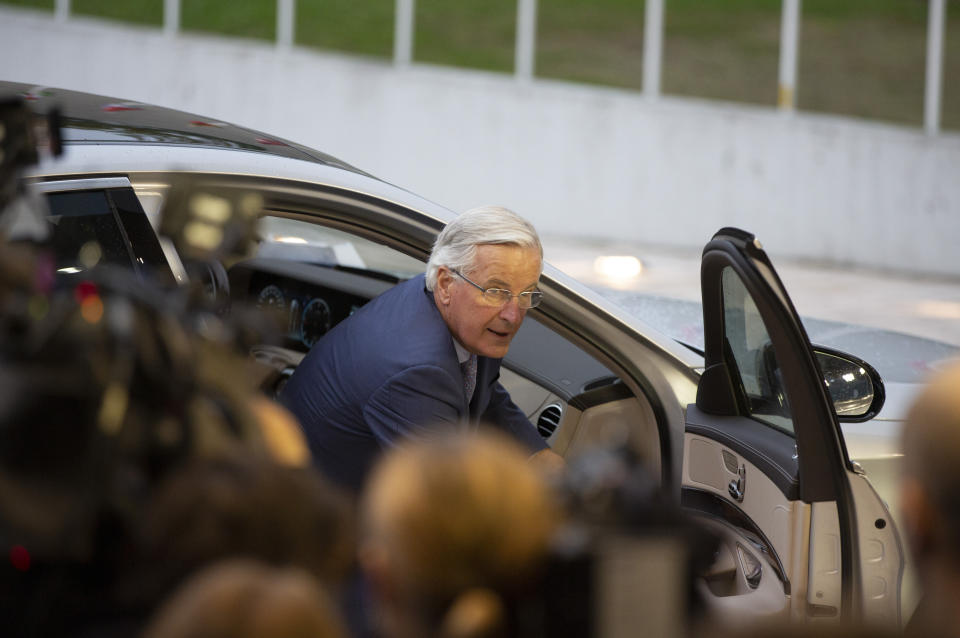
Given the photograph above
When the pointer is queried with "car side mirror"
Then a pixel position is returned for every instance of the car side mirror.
(855, 387)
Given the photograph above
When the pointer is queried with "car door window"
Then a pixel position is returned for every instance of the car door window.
(84, 218)
(100, 221)
(753, 355)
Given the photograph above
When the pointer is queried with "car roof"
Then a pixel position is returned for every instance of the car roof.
(88, 118)
(106, 136)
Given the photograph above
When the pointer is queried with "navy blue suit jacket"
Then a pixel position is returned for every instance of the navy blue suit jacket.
(390, 372)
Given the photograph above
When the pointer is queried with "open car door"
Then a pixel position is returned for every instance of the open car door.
(804, 535)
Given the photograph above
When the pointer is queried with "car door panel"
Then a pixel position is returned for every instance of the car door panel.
(764, 439)
(825, 581)
(736, 595)
(764, 511)
(881, 558)
(763, 525)
(772, 451)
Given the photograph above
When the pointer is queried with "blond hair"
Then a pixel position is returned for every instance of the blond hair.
(458, 511)
(245, 599)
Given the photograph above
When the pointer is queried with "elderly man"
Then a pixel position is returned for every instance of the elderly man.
(930, 500)
(426, 354)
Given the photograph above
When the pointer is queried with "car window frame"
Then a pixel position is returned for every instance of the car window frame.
(147, 257)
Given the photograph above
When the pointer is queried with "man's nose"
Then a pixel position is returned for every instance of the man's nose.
(511, 311)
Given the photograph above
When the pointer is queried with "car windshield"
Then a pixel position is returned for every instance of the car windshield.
(307, 242)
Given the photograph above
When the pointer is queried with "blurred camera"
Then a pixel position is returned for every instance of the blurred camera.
(626, 560)
(106, 381)
(25, 137)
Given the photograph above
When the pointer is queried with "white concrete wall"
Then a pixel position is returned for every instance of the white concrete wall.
(576, 160)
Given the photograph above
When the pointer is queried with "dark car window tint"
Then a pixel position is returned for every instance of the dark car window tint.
(78, 218)
(143, 240)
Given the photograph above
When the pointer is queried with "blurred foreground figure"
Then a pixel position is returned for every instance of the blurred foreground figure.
(786, 629)
(111, 385)
(454, 529)
(245, 599)
(930, 498)
(239, 507)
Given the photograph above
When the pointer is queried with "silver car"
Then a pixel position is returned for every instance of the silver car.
(746, 435)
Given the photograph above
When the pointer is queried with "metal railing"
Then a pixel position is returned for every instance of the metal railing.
(525, 48)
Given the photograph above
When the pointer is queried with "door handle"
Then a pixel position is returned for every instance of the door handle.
(738, 485)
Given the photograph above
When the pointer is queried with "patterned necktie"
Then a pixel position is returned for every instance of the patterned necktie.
(469, 369)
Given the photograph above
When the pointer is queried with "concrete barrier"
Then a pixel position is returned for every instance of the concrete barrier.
(577, 160)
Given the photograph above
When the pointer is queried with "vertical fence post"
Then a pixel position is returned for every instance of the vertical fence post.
(789, 45)
(285, 17)
(61, 10)
(171, 17)
(403, 33)
(526, 39)
(652, 48)
(931, 102)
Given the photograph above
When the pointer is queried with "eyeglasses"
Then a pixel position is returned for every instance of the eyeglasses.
(501, 297)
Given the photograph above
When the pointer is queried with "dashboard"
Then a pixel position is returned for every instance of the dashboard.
(307, 300)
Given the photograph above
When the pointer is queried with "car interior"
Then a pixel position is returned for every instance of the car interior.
(311, 278)
(309, 275)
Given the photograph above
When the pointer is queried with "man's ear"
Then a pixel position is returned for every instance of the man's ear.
(443, 290)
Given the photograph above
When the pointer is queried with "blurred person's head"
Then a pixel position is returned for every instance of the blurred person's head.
(247, 599)
(930, 499)
(242, 506)
(484, 249)
(931, 482)
(785, 628)
(450, 527)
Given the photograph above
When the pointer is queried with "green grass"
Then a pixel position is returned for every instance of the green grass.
(242, 18)
(871, 67)
(950, 107)
(149, 12)
(33, 4)
(863, 58)
(472, 33)
(722, 50)
(568, 46)
(913, 11)
(353, 26)
(868, 63)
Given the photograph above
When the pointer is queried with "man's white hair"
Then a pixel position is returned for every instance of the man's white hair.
(456, 245)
